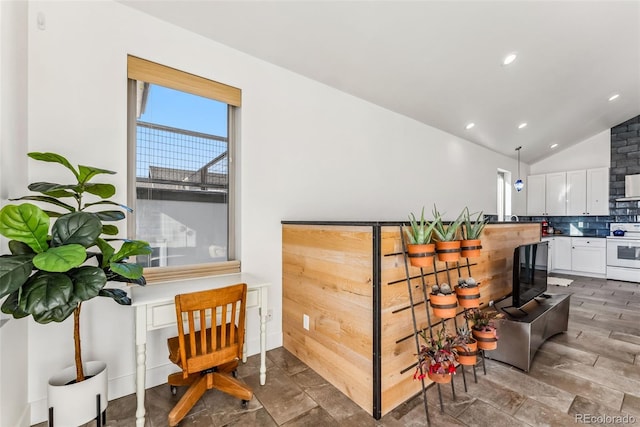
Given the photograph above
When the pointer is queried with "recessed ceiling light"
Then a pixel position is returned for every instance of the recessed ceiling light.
(469, 126)
(614, 97)
(522, 125)
(509, 58)
(553, 145)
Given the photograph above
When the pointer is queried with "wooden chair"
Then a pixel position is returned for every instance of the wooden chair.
(208, 360)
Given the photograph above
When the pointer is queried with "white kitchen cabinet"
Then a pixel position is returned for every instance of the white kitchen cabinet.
(561, 253)
(588, 192)
(588, 255)
(550, 243)
(546, 194)
(598, 191)
(536, 195)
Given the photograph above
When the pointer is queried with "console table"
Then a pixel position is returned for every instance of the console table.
(520, 337)
(155, 309)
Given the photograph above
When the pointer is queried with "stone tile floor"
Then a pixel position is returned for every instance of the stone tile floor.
(571, 377)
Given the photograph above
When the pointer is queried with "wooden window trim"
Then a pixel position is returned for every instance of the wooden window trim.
(151, 72)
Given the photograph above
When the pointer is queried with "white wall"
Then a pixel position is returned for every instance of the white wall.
(307, 152)
(593, 152)
(14, 404)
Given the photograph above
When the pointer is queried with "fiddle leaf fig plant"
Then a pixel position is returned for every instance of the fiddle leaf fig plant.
(53, 269)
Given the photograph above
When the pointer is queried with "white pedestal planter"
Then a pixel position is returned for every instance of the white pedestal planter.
(76, 404)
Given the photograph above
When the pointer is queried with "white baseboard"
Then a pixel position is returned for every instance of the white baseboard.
(126, 384)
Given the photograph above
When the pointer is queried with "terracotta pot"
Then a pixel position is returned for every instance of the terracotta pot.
(448, 251)
(468, 357)
(444, 306)
(487, 340)
(470, 248)
(468, 297)
(439, 378)
(421, 255)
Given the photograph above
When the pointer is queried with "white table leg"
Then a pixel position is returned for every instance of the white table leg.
(141, 357)
(263, 336)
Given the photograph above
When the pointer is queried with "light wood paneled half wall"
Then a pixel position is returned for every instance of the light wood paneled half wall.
(350, 280)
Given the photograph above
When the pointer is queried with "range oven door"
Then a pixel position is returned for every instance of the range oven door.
(623, 259)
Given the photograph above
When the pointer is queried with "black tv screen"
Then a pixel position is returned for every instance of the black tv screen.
(529, 272)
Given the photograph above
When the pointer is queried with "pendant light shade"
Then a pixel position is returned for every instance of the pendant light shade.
(519, 184)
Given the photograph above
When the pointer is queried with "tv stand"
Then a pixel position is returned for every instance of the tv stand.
(520, 336)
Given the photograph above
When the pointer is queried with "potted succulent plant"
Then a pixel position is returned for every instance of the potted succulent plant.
(470, 244)
(52, 270)
(468, 292)
(443, 301)
(483, 327)
(437, 357)
(419, 247)
(467, 350)
(447, 243)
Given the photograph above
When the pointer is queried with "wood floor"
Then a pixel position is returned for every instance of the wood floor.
(589, 375)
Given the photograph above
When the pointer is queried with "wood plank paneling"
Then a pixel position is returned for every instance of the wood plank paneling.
(327, 274)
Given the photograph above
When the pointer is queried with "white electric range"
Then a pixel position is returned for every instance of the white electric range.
(623, 251)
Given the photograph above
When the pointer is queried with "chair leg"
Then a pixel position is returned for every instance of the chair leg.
(190, 398)
(227, 384)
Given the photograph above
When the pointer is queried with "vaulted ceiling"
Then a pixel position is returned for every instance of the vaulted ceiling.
(440, 62)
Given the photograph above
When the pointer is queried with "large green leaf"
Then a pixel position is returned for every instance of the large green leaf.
(118, 295)
(11, 306)
(131, 248)
(53, 189)
(57, 314)
(102, 190)
(110, 215)
(109, 229)
(53, 158)
(20, 248)
(88, 172)
(44, 292)
(25, 223)
(107, 252)
(14, 271)
(48, 199)
(61, 258)
(87, 282)
(109, 202)
(81, 228)
(127, 270)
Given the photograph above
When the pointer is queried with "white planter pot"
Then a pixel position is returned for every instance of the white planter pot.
(76, 404)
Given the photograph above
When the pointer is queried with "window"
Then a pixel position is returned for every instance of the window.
(504, 195)
(181, 186)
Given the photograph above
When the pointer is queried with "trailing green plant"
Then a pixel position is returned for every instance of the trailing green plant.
(49, 276)
(473, 227)
(419, 232)
(446, 233)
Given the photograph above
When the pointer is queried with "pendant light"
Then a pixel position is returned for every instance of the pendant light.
(519, 184)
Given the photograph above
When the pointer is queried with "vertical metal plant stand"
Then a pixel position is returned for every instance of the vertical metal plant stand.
(417, 330)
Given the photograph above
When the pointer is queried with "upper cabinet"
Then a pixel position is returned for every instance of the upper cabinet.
(580, 192)
(588, 192)
(546, 194)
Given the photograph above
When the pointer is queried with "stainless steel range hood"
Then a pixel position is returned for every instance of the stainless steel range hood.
(631, 188)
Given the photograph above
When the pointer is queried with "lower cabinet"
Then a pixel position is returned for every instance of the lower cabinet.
(579, 255)
(588, 255)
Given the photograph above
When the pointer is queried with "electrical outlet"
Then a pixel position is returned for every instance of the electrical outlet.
(580, 224)
(269, 315)
(305, 321)
(491, 303)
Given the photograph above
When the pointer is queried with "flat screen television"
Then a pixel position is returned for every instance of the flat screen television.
(529, 272)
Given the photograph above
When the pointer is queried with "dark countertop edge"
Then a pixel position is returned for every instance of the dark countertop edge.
(569, 235)
(386, 223)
